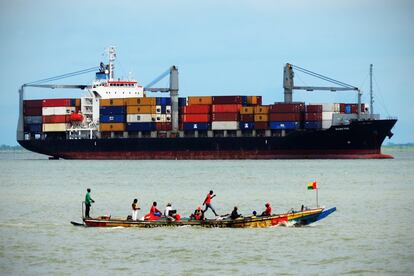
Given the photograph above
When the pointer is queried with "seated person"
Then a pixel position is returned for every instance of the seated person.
(268, 211)
(254, 214)
(169, 213)
(154, 211)
(198, 214)
(234, 214)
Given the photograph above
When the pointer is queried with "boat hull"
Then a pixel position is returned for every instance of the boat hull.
(359, 140)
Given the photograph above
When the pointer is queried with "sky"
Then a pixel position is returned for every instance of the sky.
(221, 47)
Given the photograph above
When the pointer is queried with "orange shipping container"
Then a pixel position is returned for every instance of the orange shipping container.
(254, 100)
(141, 101)
(78, 102)
(261, 117)
(112, 127)
(247, 110)
(112, 102)
(220, 108)
(200, 100)
(141, 109)
(261, 109)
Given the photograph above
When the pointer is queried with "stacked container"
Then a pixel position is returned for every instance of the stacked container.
(163, 114)
(226, 112)
(141, 114)
(32, 116)
(197, 115)
(313, 117)
(112, 115)
(261, 117)
(348, 108)
(285, 115)
(56, 114)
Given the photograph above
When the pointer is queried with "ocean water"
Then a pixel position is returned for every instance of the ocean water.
(370, 234)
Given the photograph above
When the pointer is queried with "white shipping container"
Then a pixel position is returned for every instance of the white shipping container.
(168, 118)
(61, 110)
(168, 109)
(158, 109)
(328, 107)
(326, 124)
(55, 127)
(139, 118)
(225, 125)
(327, 115)
(33, 119)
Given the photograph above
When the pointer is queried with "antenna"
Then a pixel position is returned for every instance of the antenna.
(371, 95)
(112, 57)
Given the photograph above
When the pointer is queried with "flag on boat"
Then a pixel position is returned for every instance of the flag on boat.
(312, 186)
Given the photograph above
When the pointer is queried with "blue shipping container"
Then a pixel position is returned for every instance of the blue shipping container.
(111, 110)
(163, 101)
(112, 118)
(140, 126)
(244, 100)
(72, 102)
(182, 101)
(163, 109)
(348, 109)
(196, 126)
(313, 125)
(33, 120)
(33, 128)
(283, 125)
(246, 125)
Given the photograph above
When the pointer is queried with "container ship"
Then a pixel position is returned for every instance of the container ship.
(116, 119)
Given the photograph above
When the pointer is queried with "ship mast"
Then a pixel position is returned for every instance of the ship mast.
(112, 57)
(371, 94)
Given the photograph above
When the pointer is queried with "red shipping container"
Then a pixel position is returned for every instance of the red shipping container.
(56, 102)
(227, 99)
(196, 109)
(285, 117)
(221, 108)
(247, 118)
(225, 116)
(313, 116)
(287, 107)
(32, 103)
(53, 119)
(261, 125)
(163, 126)
(195, 118)
(32, 111)
(354, 108)
(314, 108)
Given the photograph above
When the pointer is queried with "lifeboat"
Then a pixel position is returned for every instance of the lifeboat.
(76, 117)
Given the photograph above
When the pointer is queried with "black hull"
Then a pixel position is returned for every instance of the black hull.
(360, 139)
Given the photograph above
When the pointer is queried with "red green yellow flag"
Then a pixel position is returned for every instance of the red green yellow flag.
(312, 186)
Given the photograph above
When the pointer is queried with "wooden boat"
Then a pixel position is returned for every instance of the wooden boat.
(295, 218)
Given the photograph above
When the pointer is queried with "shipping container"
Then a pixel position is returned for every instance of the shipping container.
(244, 100)
(78, 102)
(329, 107)
(247, 110)
(227, 125)
(226, 108)
(33, 128)
(196, 126)
(285, 117)
(162, 101)
(54, 119)
(141, 109)
(284, 125)
(164, 118)
(163, 126)
(111, 102)
(59, 127)
(112, 110)
(112, 118)
(141, 101)
(112, 127)
(182, 101)
(313, 125)
(350, 108)
(32, 119)
(158, 109)
(314, 108)
(254, 100)
(261, 117)
(287, 107)
(227, 100)
(225, 116)
(246, 125)
(140, 126)
(136, 118)
(261, 125)
(200, 100)
(196, 109)
(327, 116)
(261, 109)
(195, 118)
(32, 111)
(247, 118)
(56, 102)
(61, 110)
(32, 103)
(313, 116)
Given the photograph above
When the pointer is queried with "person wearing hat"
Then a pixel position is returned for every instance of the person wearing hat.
(268, 211)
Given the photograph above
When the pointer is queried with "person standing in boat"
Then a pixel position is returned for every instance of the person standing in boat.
(207, 202)
(88, 202)
(135, 209)
(268, 211)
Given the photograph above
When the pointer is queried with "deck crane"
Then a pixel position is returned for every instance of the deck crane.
(289, 86)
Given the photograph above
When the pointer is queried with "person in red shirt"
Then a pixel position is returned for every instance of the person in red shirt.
(154, 211)
(268, 210)
(207, 202)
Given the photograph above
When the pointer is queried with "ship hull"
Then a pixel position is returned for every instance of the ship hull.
(359, 140)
